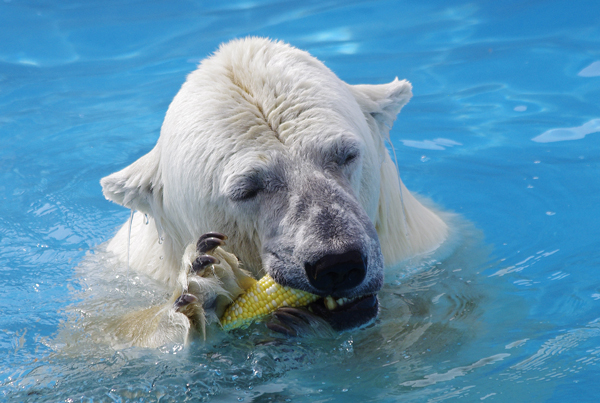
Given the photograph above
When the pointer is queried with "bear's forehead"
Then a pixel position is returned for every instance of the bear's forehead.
(267, 91)
(244, 104)
(266, 151)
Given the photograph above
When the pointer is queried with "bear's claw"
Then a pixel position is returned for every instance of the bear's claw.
(213, 235)
(209, 241)
(294, 316)
(280, 328)
(184, 300)
(202, 261)
(299, 322)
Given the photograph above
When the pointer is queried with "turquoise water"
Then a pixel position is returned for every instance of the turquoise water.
(503, 130)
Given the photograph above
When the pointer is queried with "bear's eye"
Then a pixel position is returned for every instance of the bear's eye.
(342, 157)
(244, 193)
(350, 157)
(246, 189)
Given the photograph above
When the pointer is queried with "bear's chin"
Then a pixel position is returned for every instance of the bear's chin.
(358, 313)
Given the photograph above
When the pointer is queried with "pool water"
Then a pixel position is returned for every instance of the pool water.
(503, 131)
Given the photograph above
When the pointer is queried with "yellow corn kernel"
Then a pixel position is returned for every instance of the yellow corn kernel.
(261, 299)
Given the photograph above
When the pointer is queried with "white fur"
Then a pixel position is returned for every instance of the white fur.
(252, 101)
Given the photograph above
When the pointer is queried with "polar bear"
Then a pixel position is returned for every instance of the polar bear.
(266, 145)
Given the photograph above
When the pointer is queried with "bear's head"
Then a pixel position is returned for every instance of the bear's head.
(265, 144)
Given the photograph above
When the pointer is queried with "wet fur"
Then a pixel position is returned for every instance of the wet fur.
(263, 119)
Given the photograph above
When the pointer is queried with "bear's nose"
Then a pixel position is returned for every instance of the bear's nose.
(337, 272)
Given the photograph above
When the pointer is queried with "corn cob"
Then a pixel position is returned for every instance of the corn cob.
(260, 299)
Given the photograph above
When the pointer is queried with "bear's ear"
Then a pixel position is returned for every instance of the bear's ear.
(137, 186)
(383, 101)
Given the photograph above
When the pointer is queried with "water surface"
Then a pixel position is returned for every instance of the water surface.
(502, 130)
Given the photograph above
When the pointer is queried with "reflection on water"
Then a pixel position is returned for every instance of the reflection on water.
(571, 133)
(435, 144)
(593, 70)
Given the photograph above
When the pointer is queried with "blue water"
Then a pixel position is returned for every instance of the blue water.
(503, 129)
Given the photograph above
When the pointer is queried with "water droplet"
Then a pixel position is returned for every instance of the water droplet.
(161, 240)
(159, 228)
(129, 246)
(147, 220)
(424, 158)
(161, 258)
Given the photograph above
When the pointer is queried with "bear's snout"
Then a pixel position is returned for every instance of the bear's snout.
(337, 272)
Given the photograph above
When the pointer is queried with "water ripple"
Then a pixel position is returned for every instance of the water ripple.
(522, 265)
(562, 344)
(455, 372)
